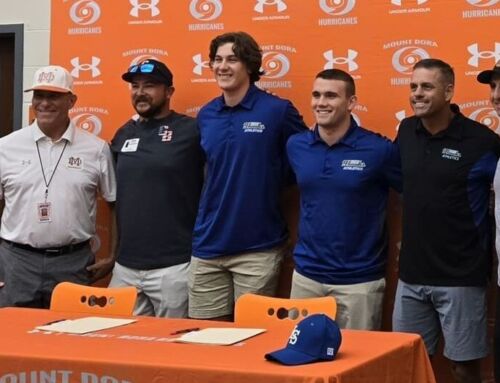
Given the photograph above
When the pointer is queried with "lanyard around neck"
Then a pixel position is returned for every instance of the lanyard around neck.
(47, 184)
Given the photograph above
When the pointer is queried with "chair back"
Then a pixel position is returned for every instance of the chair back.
(73, 297)
(253, 310)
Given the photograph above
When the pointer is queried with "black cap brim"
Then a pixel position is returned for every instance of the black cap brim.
(129, 77)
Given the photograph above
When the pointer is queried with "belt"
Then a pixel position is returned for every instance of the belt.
(50, 250)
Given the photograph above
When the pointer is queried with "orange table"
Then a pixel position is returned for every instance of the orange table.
(136, 353)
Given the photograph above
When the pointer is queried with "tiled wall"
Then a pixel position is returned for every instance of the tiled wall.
(35, 16)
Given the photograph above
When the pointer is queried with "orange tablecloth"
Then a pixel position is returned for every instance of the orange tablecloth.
(136, 354)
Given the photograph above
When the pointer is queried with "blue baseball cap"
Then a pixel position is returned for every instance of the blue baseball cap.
(315, 338)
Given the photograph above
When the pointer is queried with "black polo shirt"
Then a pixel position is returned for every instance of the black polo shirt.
(159, 172)
(446, 185)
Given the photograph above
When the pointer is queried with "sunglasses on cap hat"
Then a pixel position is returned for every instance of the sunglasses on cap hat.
(153, 68)
(142, 68)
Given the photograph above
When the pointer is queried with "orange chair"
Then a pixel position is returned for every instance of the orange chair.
(73, 297)
(253, 310)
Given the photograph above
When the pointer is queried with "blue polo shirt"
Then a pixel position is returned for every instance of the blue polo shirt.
(343, 198)
(246, 171)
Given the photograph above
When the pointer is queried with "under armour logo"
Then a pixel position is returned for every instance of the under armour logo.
(332, 60)
(400, 2)
(400, 116)
(200, 64)
(476, 54)
(144, 6)
(280, 5)
(92, 67)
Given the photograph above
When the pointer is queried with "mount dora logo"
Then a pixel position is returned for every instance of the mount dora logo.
(138, 55)
(482, 8)
(482, 111)
(337, 10)
(337, 7)
(406, 54)
(89, 122)
(333, 60)
(276, 63)
(85, 13)
(483, 3)
(404, 58)
(205, 11)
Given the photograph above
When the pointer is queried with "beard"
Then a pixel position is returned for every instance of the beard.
(152, 111)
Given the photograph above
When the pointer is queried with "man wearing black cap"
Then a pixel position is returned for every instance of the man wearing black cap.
(159, 166)
(492, 78)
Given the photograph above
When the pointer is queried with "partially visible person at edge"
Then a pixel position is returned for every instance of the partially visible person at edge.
(159, 168)
(492, 78)
(50, 173)
(240, 234)
(448, 164)
(344, 173)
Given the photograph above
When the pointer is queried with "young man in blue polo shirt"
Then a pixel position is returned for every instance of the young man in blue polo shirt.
(448, 162)
(239, 235)
(344, 173)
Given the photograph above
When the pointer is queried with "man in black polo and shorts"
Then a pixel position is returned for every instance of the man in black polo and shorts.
(159, 166)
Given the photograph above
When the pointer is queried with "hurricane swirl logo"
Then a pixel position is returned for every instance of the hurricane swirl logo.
(482, 3)
(205, 10)
(89, 122)
(337, 7)
(275, 64)
(405, 58)
(85, 12)
(486, 116)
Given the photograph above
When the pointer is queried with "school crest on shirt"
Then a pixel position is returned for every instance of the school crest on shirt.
(165, 133)
(357, 165)
(451, 154)
(75, 162)
(253, 127)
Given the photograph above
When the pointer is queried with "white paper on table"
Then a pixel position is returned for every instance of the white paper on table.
(219, 336)
(85, 325)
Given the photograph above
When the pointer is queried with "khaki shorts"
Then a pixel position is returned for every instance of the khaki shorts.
(215, 284)
(359, 305)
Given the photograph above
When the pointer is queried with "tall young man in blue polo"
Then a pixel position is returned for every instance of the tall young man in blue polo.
(239, 235)
(159, 168)
(344, 173)
(448, 162)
